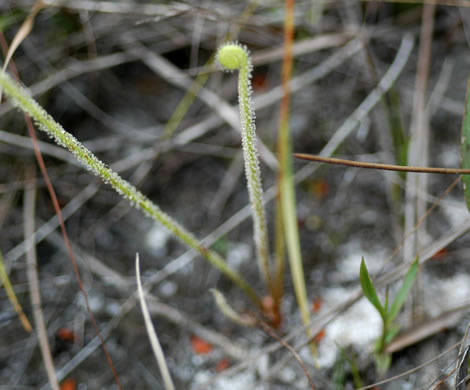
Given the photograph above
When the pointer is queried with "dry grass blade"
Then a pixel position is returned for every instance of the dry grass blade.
(371, 100)
(462, 371)
(304, 47)
(156, 347)
(429, 327)
(413, 370)
(112, 7)
(48, 149)
(33, 280)
(418, 149)
(22, 33)
(74, 70)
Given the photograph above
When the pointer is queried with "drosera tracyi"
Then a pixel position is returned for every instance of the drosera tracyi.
(233, 56)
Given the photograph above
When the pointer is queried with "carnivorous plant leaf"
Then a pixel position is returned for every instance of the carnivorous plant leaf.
(233, 56)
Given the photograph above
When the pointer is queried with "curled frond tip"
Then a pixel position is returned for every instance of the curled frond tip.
(232, 55)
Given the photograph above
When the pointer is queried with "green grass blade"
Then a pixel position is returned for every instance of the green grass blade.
(279, 255)
(369, 290)
(9, 18)
(391, 334)
(288, 206)
(402, 294)
(286, 182)
(339, 372)
(5, 281)
(465, 147)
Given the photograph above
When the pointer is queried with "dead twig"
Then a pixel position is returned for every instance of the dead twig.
(271, 333)
(388, 167)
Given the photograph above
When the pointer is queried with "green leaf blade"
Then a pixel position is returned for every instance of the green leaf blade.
(391, 334)
(402, 294)
(369, 290)
(465, 147)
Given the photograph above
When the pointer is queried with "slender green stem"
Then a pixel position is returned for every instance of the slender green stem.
(279, 253)
(286, 180)
(233, 56)
(47, 124)
(5, 282)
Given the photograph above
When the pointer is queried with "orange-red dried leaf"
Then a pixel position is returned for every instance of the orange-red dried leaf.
(200, 346)
(66, 334)
(441, 254)
(316, 304)
(320, 188)
(319, 336)
(222, 365)
(68, 384)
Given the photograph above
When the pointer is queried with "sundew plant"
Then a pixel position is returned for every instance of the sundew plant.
(233, 56)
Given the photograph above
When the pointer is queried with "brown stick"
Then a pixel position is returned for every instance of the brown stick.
(387, 167)
(272, 333)
(450, 3)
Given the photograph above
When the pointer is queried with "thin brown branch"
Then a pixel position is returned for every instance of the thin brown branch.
(270, 332)
(387, 167)
(450, 3)
(411, 371)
